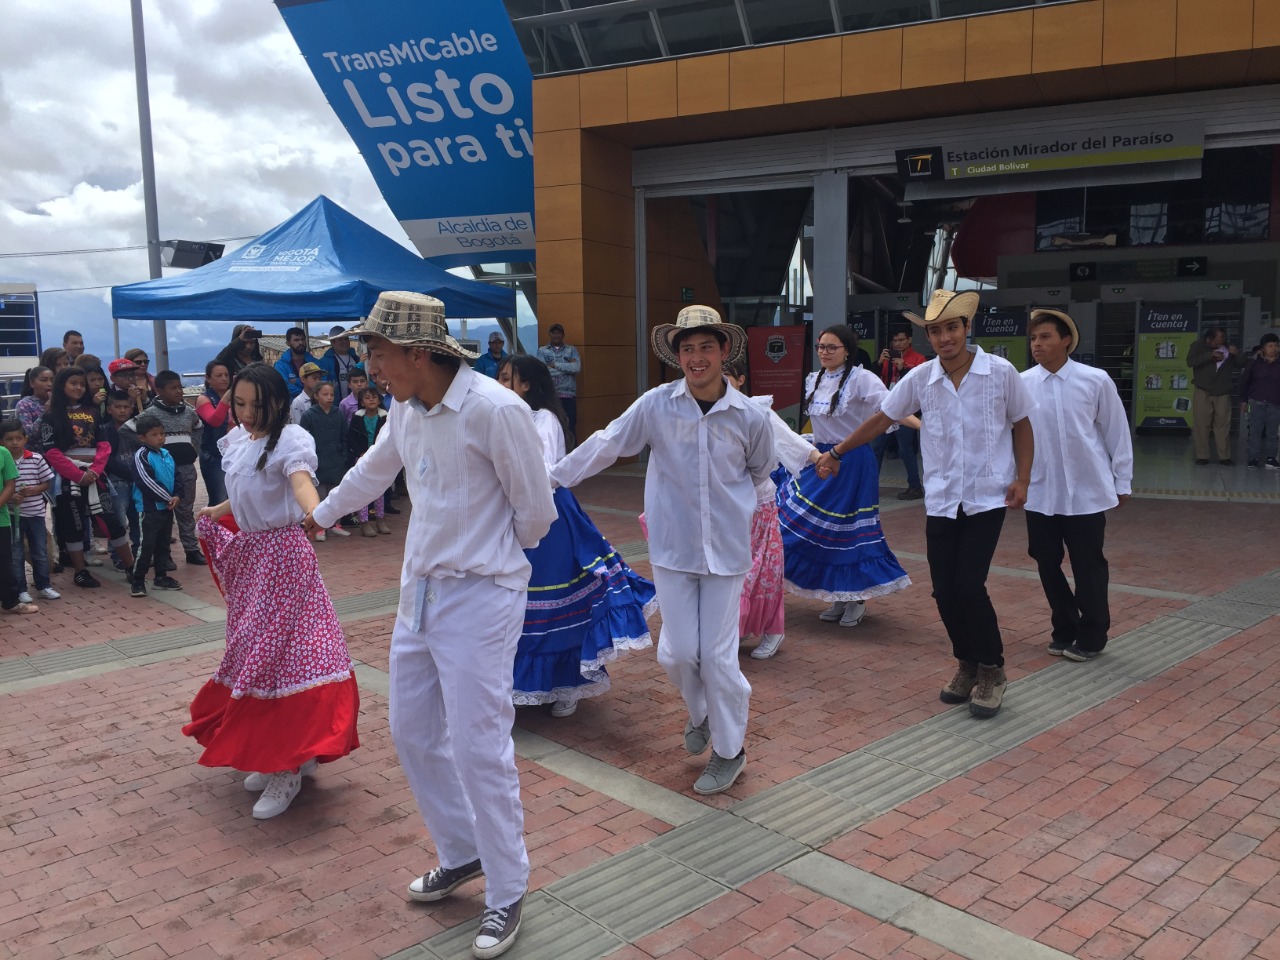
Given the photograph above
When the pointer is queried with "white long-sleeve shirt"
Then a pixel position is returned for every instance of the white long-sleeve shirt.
(791, 449)
(1084, 453)
(966, 442)
(861, 397)
(475, 471)
(699, 489)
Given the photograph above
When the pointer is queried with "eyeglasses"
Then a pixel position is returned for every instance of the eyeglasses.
(141, 362)
(830, 347)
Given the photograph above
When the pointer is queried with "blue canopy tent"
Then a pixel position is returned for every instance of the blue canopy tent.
(321, 263)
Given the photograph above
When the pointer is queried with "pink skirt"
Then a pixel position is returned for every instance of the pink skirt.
(761, 608)
(285, 691)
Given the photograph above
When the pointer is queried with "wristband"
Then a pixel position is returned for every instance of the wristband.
(834, 454)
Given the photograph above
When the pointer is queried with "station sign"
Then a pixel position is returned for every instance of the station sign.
(1048, 152)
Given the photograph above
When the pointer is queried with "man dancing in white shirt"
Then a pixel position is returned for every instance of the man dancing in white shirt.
(977, 447)
(474, 467)
(709, 446)
(1083, 467)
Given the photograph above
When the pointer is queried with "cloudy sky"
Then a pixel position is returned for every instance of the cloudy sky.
(243, 138)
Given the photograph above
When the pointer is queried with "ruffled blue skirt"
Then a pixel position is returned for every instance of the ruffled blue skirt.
(585, 606)
(833, 545)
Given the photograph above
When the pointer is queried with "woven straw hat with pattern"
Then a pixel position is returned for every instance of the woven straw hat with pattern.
(703, 319)
(411, 320)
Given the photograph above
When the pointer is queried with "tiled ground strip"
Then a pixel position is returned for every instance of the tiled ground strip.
(637, 892)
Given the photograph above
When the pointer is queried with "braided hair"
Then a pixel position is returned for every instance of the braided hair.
(541, 394)
(849, 340)
(271, 402)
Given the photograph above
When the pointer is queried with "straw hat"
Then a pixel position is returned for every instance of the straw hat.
(1071, 324)
(411, 320)
(946, 305)
(698, 318)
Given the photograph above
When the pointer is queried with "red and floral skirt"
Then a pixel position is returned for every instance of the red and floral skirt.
(285, 691)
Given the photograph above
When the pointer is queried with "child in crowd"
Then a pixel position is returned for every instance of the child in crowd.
(365, 427)
(285, 695)
(155, 498)
(70, 441)
(97, 392)
(37, 388)
(358, 381)
(180, 425)
(10, 601)
(119, 475)
(311, 376)
(761, 611)
(35, 479)
(328, 429)
(585, 605)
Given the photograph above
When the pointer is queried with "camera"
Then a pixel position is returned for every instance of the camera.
(252, 334)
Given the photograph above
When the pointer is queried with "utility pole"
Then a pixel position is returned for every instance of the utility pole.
(161, 349)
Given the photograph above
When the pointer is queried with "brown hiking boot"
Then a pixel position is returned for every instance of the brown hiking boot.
(958, 690)
(986, 697)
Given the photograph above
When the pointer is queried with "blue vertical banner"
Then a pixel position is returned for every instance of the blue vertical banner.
(438, 97)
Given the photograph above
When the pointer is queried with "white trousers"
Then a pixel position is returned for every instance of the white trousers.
(451, 717)
(698, 647)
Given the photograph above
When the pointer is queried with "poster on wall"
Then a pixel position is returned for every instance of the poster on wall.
(775, 359)
(1003, 332)
(438, 97)
(1162, 382)
(866, 327)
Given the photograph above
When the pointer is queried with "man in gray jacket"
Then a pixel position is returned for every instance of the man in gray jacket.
(1213, 364)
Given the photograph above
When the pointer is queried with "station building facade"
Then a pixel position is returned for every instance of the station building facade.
(685, 147)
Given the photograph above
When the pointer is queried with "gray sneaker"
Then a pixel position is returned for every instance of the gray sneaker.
(498, 929)
(720, 773)
(697, 738)
(439, 883)
(833, 612)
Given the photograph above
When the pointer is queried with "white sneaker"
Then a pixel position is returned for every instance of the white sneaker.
(833, 612)
(564, 708)
(48, 593)
(91, 561)
(279, 793)
(25, 597)
(320, 537)
(257, 782)
(767, 647)
(853, 614)
(338, 531)
(99, 547)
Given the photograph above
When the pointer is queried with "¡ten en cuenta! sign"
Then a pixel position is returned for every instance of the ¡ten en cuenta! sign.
(1044, 153)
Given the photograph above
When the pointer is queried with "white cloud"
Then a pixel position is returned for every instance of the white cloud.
(243, 138)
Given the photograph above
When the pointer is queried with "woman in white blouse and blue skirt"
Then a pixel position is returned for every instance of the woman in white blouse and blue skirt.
(834, 548)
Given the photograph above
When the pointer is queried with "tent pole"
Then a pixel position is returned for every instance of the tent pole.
(148, 180)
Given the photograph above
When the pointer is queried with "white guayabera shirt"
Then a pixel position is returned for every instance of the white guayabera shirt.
(966, 440)
(1084, 454)
(699, 488)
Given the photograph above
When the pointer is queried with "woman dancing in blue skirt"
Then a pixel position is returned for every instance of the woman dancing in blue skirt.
(834, 548)
(585, 604)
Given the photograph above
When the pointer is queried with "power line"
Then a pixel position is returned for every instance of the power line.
(66, 253)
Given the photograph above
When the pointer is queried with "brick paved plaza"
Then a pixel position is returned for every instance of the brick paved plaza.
(1125, 807)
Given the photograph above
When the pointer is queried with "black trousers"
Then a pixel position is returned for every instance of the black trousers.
(1082, 617)
(960, 553)
(153, 549)
(8, 582)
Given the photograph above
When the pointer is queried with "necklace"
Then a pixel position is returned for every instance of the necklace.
(960, 369)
